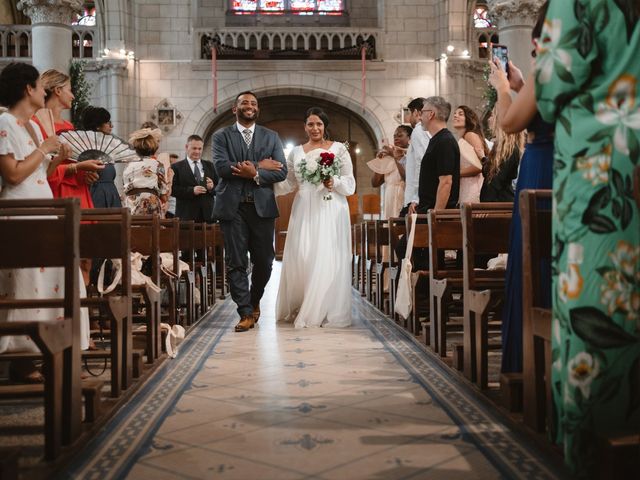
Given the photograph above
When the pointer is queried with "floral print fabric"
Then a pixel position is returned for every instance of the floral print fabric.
(587, 81)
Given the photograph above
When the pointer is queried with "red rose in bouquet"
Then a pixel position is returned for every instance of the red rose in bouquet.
(326, 159)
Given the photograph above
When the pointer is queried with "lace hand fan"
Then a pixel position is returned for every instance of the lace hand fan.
(89, 145)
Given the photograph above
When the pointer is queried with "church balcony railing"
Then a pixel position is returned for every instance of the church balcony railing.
(15, 42)
(287, 43)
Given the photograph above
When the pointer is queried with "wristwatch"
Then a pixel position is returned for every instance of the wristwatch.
(257, 178)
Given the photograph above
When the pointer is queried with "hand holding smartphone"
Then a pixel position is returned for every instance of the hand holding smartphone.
(500, 52)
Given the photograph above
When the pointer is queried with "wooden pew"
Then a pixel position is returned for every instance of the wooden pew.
(211, 264)
(221, 266)
(105, 233)
(58, 341)
(381, 242)
(485, 231)
(445, 279)
(369, 244)
(355, 255)
(396, 229)
(419, 280)
(201, 267)
(169, 242)
(145, 239)
(187, 243)
(536, 321)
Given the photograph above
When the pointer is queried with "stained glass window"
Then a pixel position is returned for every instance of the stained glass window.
(88, 15)
(296, 7)
(481, 17)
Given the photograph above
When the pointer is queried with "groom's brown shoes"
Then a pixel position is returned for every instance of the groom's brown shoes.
(256, 314)
(246, 323)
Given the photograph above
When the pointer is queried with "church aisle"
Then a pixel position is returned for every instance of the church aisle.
(281, 403)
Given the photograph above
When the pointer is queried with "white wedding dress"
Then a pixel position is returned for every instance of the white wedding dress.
(315, 283)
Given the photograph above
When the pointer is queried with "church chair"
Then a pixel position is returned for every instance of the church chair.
(396, 229)
(371, 207)
(57, 221)
(485, 234)
(535, 213)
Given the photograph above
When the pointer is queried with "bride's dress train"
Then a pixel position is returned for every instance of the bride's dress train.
(315, 283)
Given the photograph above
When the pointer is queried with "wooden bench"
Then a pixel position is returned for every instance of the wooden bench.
(485, 232)
(396, 229)
(211, 264)
(419, 280)
(369, 244)
(201, 245)
(382, 264)
(105, 233)
(221, 265)
(536, 320)
(57, 223)
(187, 244)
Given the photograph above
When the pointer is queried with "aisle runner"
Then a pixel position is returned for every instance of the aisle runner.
(366, 402)
(112, 453)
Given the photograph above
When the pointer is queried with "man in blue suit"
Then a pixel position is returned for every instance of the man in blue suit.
(248, 159)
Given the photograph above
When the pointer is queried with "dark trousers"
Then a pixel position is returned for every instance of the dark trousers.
(248, 233)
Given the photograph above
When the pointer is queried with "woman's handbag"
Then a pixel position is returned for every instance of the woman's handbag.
(404, 295)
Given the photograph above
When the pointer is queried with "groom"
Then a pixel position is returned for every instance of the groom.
(248, 159)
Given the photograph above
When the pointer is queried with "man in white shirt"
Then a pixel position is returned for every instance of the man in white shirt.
(418, 146)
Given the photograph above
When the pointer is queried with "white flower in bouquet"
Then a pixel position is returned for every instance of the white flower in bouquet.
(311, 166)
(317, 171)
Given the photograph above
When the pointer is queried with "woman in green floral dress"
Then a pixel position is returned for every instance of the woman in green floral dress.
(588, 83)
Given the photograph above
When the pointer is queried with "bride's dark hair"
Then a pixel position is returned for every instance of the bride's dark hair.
(318, 112)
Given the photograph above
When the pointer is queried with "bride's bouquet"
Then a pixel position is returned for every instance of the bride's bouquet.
(316, 171)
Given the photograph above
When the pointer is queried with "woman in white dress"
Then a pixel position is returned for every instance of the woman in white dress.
(315, 284)
(25, 159)
(473, 149)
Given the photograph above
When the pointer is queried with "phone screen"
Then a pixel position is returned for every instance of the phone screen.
(500, 52)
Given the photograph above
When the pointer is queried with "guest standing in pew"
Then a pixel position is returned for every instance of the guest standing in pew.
(70, 178)
(193, 184)
(439, 180)
(500, 168)
(417, 146)
(473, 147)
(145, 188)
(25, 160)
(535, 172)
(103, 191)
(589, 85)
(388, 169)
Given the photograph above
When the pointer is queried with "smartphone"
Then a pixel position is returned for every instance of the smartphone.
(500, 52)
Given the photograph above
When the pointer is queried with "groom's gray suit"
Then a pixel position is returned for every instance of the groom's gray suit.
(246, 210)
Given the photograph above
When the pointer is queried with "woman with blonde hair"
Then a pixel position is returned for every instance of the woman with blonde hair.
(145, 186)
(500, 168)
(70, 178)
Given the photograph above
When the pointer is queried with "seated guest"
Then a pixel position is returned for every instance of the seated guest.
(103, 191)
(500, 168)
(388, 169)
(145, 188)
(473, 148)
(25, 159)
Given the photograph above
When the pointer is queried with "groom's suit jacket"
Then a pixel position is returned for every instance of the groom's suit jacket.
(229, 148)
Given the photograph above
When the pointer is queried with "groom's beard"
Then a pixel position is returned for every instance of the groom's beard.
(248, 114)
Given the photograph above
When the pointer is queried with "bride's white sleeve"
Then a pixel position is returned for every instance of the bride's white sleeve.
(290, 183)
(345, 184)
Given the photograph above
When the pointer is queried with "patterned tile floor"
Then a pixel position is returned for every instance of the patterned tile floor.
(280, 403)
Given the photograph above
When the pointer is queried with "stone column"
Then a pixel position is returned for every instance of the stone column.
(51, 31)
(515, 20)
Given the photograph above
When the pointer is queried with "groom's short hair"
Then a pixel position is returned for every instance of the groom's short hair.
(248, 92)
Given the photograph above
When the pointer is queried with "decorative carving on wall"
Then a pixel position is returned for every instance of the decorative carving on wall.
(50, 11)
(166, 115)
(509, 11)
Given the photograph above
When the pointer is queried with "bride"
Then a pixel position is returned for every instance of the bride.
(315, 284)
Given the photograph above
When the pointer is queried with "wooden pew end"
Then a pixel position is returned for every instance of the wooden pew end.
(458, 356)
(511, 391)
(9, 457)
(619, 455)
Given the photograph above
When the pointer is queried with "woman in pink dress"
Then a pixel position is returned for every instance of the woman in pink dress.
(473, 148)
